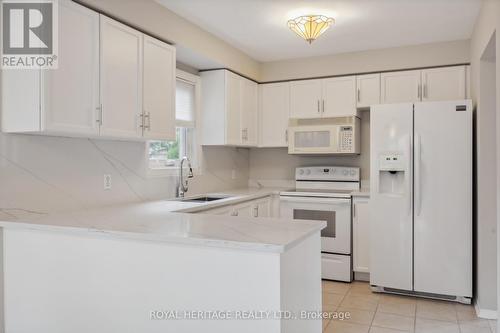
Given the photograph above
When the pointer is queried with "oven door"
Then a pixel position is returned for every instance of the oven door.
(336, 237)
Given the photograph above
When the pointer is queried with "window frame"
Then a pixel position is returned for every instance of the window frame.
(196, 160)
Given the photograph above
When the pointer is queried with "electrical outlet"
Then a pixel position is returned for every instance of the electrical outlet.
(233, 174)
(107, 182)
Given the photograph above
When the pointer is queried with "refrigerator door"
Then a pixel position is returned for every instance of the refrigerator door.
(443, 198)
(391, 196)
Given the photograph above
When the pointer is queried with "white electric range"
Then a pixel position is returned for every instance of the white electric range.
(324, 193)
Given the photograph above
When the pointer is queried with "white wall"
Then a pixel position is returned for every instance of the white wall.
(41, 173)
(486, 134)
(425, 55)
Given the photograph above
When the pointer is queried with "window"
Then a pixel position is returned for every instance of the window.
(167, 154)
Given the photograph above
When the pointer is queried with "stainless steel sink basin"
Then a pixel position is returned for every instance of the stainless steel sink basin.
(208, 198)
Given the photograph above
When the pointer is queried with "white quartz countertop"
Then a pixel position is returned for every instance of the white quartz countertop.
(363, 192)
(233, 197)
(156, 221)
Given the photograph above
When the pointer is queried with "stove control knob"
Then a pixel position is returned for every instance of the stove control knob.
(345, 172)
(353, 172)
(301, 172)
(308, 172)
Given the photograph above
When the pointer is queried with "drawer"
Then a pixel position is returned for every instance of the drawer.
(336, 267)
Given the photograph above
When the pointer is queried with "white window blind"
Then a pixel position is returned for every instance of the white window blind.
(185, 104)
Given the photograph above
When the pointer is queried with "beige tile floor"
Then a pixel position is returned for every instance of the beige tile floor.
(381, 313)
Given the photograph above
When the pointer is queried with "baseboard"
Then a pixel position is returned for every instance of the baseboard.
(485, 313)
(359, 276)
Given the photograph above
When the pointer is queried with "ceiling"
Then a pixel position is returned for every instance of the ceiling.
(258, 27)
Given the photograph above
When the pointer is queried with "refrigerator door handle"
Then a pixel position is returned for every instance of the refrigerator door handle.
(408, 177)
(418, 176)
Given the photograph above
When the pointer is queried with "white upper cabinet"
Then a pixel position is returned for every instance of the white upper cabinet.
(121, 80)
(400, 87)
(158, 90)
(274, 112)
(339, 97)
(64, 100)
(112, 81)
(70, 94)
(334, 97)
(233, 111)
(446, 83)
(435, 84)
(305, 99)
(367, 90)
(228, 109)
(249, 109)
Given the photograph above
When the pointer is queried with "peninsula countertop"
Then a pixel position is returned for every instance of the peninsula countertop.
(156, 221)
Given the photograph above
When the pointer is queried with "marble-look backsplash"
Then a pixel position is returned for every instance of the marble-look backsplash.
(41, 174)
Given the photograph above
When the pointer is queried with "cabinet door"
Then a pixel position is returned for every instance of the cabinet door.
(263, 208)
(159, 90)
(121, 80)
(70, 94)
(305, 99)
(339, 97)
(274, 113)
(361, 235)
(400, 87)
(248, 112)
(233, 109)
(442, 84)
(367, 90)
(245, 209)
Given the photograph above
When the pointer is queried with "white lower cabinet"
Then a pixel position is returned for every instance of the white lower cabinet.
(262, 208)
(361, 235)
(253, 208)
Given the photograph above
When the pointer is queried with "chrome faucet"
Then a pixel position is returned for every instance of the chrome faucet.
(183, 183)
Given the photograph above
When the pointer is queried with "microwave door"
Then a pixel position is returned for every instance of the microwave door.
(313, 141)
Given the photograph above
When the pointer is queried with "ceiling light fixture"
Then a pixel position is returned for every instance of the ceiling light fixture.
(310, 27)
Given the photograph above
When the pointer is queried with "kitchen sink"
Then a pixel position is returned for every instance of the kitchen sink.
(204, 199)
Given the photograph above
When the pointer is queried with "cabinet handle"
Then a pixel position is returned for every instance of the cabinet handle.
(286, 135)
(256, 211)
(235, 213)
(359, 95)
(318, 105)
(425, 90)
(148, 117)
(99, 114)
(323, 105)
(141, 116)
(354, 210)
(419, 91)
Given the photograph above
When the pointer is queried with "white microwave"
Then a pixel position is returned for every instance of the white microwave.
(324, 136)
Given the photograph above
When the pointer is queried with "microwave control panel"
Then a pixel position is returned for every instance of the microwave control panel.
(346, 139)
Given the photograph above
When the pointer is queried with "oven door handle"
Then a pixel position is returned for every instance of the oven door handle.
(316, 200)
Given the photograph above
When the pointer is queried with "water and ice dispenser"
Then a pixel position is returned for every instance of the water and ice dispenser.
(392, 168)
